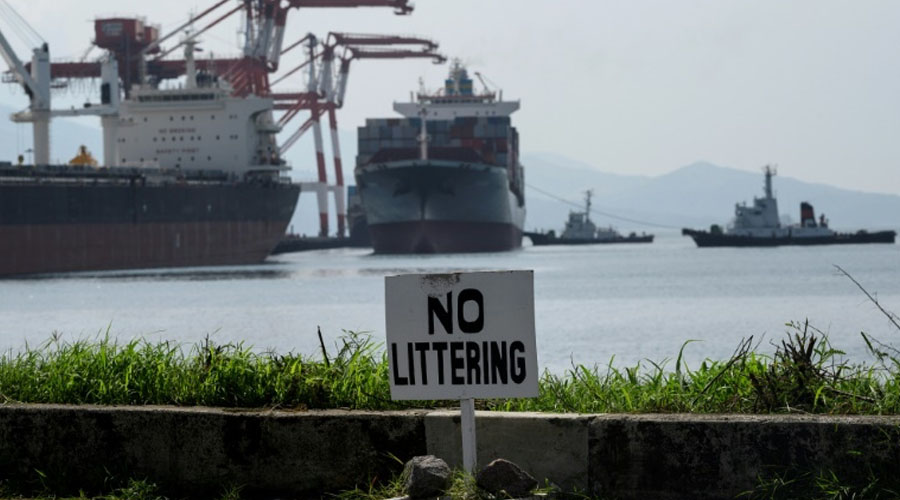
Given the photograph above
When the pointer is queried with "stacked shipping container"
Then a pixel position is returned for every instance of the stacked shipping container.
(391, 139)
(487, 140)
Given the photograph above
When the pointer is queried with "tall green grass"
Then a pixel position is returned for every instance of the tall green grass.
(138, 372)
(805, 374)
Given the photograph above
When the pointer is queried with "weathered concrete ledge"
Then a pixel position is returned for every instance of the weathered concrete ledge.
(201, 451)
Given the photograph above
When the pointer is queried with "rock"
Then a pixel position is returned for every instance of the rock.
(504, 476)
(426, 476)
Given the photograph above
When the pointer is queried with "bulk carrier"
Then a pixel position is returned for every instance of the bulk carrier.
(197, 178)
(446, 177)
(191, 173)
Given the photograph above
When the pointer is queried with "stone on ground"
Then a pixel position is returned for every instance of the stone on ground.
(504, 476)
(426, 476)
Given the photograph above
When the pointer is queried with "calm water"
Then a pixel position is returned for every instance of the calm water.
(632, 301)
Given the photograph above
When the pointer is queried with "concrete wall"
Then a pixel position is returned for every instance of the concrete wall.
(201, 451)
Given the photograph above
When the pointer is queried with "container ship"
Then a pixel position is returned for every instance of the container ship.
(445, 177)
(191, 175)
(759, 226)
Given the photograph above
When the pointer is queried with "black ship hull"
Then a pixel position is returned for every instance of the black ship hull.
(708, 239)
(539, 239)
(50, 225)
(440, 206)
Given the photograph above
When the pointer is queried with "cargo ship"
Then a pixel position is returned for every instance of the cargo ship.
(192, 175)
(759, 226)
(446, 177)
(581, 230)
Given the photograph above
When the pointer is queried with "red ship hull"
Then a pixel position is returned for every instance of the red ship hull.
(62, 219)
(53, 248)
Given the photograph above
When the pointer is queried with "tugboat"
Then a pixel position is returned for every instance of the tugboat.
(758, 226)
(581, 230)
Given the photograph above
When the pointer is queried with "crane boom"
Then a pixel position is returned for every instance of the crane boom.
(370, 39)
(18, 69)
(401, 7)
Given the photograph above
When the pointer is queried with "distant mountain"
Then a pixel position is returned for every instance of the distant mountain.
(571, 177)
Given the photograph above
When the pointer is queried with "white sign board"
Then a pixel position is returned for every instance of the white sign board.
(461, 335)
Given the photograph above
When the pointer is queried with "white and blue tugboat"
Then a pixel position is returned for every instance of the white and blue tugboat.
(759, 226)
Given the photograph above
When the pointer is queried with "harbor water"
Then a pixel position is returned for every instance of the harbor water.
(630, 302)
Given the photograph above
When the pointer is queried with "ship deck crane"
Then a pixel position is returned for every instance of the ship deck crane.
(37, 85)
(37, 80)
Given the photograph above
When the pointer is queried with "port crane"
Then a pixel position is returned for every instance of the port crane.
(36, 79)
(135, 56)
(326, 92)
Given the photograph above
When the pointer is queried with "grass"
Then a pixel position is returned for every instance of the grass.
(805, 374)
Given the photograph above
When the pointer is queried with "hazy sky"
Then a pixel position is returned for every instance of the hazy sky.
(631, 86)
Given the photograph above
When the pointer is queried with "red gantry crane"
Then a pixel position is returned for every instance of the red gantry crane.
(325, 93)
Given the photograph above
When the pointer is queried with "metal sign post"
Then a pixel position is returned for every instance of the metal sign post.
(462, 336)
(467, 427)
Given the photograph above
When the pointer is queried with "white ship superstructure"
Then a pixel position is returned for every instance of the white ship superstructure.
(761, 219)
(457, 100)
(203, 128)
(200, 126)
(580, 225)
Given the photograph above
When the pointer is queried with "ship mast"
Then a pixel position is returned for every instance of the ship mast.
(587, 204)
(770, 171)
